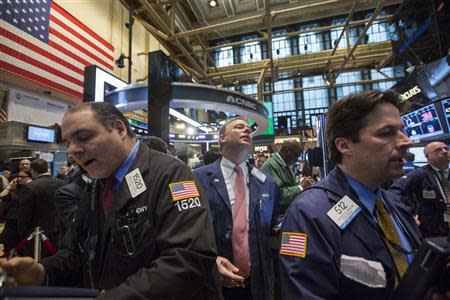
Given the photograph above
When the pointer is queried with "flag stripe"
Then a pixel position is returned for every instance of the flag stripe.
(77, 48)
(42, 42)
(55, 56)
(39, 64)
(38, 79)
(47, 75)
(86, 29)
(70, 34)
(77, 74)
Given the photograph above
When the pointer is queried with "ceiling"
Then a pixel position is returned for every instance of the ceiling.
(187, 27)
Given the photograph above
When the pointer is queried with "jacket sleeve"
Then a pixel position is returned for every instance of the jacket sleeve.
(316, 275)
(288, 193)
(25, 207)
(186, 265)
(66, 202)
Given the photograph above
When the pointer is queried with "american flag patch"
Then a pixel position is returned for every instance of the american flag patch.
(294, 244)
(183, 190)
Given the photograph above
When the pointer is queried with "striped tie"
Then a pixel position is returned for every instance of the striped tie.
(391, 235)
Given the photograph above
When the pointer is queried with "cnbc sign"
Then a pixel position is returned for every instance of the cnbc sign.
(242, 102)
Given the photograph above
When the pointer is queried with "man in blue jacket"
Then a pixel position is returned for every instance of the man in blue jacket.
(427, 189)
(242, 200)
(345, 237)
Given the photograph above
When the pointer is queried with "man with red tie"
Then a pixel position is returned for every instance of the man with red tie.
(242, 200)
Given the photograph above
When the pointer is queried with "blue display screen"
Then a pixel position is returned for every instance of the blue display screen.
(40, 134)
(422, 123)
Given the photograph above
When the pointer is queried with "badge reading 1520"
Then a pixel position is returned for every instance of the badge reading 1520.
(188, 203)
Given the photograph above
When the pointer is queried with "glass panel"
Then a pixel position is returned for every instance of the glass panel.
(250, 52)
(281, 47)
(311, 41)
(224, 57)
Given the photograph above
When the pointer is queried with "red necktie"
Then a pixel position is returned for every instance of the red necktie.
(108, 194)
(240, 225)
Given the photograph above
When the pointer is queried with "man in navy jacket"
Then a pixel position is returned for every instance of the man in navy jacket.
(332, 245)
(261, 196)
(425, 190)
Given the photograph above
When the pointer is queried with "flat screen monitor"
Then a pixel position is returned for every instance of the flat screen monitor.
(40, 134)
(446, 109)
(422, 123)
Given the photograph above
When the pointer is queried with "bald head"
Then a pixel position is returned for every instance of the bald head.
(437, 155)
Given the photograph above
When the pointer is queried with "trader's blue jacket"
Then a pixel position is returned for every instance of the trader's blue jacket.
(319, 275)
(264, 198)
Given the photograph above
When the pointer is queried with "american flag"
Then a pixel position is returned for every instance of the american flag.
(183, 190)
(42, 42)
(293, 243)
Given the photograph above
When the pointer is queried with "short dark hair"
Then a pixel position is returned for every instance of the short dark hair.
(211, 156)
(260, 155)
(39, 165)
(409, 157)
(106, 114)
(156, 143)
(345, 118)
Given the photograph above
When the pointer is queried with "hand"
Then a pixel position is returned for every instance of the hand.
(228, 273)
(306, 182)
(23, 271)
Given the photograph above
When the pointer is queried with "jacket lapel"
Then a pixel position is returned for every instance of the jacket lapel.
(218, 182)
(431, 175)
(285, 169)
(361, 227)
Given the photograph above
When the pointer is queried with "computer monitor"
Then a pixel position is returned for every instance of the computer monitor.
(40, 134)
(422, 123)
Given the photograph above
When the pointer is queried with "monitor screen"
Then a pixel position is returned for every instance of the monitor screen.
(40, 134)
(422, 123)
(446, 110)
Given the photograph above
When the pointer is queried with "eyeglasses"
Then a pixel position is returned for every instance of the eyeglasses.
(441, 149)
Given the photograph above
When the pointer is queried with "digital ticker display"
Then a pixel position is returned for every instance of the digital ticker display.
(422, 123)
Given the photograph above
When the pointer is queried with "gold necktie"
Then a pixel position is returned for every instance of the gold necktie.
(388, 227)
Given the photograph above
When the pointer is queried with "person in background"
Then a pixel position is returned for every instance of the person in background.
(37, 205)
(143, 232)
(409, 165)
(63, 168)
(24, 165)
(211, 156)
(260, 160)
(156, 143)
(10, 198)
(243, 201)
(4, 179)
(315, 173)
(345, 237)
(427, 190)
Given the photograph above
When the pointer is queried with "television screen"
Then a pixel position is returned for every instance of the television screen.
(446, 110)
(40, 134)
(422, 123)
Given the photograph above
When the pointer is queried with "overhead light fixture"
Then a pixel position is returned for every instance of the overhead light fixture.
(213, 3)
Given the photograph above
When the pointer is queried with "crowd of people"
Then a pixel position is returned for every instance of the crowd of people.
(134, 222)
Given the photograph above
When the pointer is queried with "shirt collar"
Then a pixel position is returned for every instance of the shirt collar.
(228, 167)
(281, 159)
(123, 169)
(365, 195)
(439, 171)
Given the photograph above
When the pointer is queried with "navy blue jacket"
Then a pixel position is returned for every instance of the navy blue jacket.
(412, 188)
(264, 199)
(318, 275)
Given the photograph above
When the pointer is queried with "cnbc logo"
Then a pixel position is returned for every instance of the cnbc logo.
(241, 102)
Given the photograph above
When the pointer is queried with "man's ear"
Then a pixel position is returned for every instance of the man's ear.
(120, 127)
(344, 146)
(222, 139)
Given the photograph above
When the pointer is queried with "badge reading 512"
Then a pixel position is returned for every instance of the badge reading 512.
(188, 203)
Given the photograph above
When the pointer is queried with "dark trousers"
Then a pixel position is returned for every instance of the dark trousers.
(238, 293)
